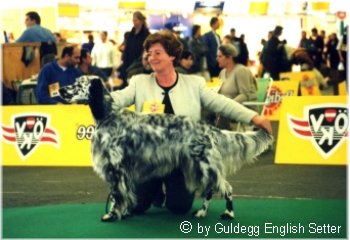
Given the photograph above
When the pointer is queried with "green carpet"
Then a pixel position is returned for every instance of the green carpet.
(257, 218)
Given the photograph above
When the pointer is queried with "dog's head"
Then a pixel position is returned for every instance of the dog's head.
(79, 91)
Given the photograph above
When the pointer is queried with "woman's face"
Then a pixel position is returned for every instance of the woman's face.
(159, 59)
(137, 22)
(198, 33)
(187, 62)
(221, 59)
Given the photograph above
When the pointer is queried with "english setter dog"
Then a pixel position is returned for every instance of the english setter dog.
(129, 148)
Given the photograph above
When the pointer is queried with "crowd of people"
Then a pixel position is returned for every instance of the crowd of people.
(318, 52)
(202, 55)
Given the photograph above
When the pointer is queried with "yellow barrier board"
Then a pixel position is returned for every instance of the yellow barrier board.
(46, 135)
(313, 130)
(306, 80)
(279, 90)
(342, 89)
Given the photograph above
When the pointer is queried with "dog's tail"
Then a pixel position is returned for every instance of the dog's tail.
(100, 101)
(239, 148)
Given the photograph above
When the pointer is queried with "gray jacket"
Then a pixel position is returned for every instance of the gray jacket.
(187, 98)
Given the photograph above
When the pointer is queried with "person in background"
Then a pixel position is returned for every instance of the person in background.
(35, 32)
(332, 57)
(302, 58)
(56, 74)
(104, 55)
(90, 44)
(185, 63)
(138, 67)
(174, 28)
(304, 41)
(343, 54)
(59, 38)
(235, 40)
(181, 94)
(199, 50)
(121, 46)
(226, 39)
(324, 39)
(316, 48)
(86, 68)
(288, 51)
(133, 43)
(212, 40)
(273, 55)
(11, 38)
(260, 70)
(238, 82)
(242, 53)
(263, 55)
(332, 54)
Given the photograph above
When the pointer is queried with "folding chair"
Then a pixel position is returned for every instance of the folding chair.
(26, 92)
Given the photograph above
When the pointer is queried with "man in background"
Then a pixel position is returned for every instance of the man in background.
(104, 55)
(212, 40)
(35, 32)
(56, 74)
(90, 44)
(85, 65)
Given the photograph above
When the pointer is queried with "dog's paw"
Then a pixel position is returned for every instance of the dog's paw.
(228, 215)
(200, 213)
(109, 217)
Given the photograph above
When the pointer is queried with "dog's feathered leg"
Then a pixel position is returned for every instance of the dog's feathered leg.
(118, 197)
(202, 212)
(229, 212)
(111, 214)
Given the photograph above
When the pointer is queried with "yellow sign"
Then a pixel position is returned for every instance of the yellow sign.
(153, 107)
(313, 130)
(307, 81)
(342, 89)
(46, 135)
(320, 6)
(68, 10)
(132, 5)
(278, 91)
(53, 89)
(258, 7)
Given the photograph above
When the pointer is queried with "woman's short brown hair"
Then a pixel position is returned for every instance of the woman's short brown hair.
(168, 40)
(139, 16)
(228, 50)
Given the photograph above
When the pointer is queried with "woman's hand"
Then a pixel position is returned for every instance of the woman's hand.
(263, 123)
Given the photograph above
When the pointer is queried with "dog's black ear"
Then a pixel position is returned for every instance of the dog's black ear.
(96, 99)
(95, 83)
